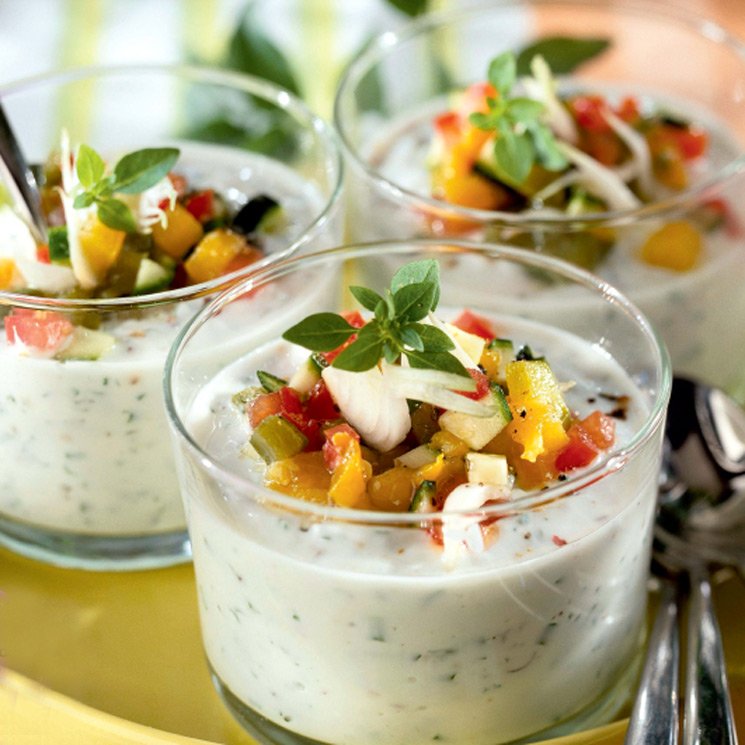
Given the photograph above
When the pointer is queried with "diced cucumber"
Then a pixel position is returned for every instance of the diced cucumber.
(152, 277)
(307, 375)
(487, 468)
(270, 383)
(276, 439)
(86, 344)
(260, 213)
(526, 353)
(505, 350)
(424, 497)
(419, 456)
(240, 399)
(59, 247)
(478, 431)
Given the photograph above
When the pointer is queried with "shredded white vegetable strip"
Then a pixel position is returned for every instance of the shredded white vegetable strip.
(602, 181)
(542, 87)
(641, 157)
(80, 266)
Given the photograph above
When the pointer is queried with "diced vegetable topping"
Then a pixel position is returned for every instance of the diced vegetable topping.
(393, 429)
(514, 144)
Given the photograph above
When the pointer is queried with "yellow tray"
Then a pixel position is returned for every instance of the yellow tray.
(115, 659)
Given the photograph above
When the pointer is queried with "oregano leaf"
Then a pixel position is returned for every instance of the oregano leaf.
(515, 154)
(412, 302)
(436, 361)
(434, 339)
(366, 297)
(140, 170)
(320, 332)
(89, 166)
(425, 270)
(503, 73)
(362, 354)
(116, 215)
(563, 53)
(410, 337)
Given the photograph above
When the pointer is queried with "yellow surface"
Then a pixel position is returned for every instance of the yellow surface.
(115, 659)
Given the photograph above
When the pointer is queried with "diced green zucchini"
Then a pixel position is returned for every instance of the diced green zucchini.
(270, 383)
(487, 468)
(506, 350)
(152, 277)
(240, 399)
(424, 497)
(307, 375)
(478, 431)
(86, 344)
(419, 456)
(59, 247)
(276, 439)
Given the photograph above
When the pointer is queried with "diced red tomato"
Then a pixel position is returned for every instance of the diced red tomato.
(320, 406)
(353, 318)
(472, 323)
(44, 330)
(331, 451)
(600, 429)
(691, 141)
(291, 401)
(482, 384)
(292, 409)
(202, 205)
(587, 438)
(42, 254)
(722, 210)
(264, 405)
(588, 113)
(628, 110)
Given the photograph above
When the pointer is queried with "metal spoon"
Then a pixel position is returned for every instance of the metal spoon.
(700, 495)
(20, 179)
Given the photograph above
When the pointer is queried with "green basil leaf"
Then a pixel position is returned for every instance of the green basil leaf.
(362, 354)
(515, 154)
(413, 302)
(410, 7)
(382, 311)
(410, 337)
(525, 110)
(547, 151)
(89, 166)
(436, 361)
(435, 340)
(116, 215)
(320, 332)
(84, 199)
(426, 270)
(142, 169)
(483, 121)
(563, 53)
(251, 51)
(391, 352)
(366, 297)
(503, 72)
(104, 187)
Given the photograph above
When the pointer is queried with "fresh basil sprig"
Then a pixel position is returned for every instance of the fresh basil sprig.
(522, 137)
(394, 330)
(133, 174)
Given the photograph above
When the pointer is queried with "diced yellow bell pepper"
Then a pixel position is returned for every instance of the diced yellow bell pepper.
(675, 246)
(214, 254)
(304, 476)
(349, 479)
(7, 270)
(538, 408)
(392, 490)
(182, 231)
(101, 245)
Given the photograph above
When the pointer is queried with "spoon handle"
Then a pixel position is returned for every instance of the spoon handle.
(708, 717)
(19, 178)
(654, 718)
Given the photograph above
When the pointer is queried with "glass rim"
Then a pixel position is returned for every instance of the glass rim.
(378, 47)
(607, 464)
(281, 98)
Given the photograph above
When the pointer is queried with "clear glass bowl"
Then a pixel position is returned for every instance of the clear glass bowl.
(86, 472)
(326, 624)
(663, 56)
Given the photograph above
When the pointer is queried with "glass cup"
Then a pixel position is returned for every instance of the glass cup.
(86, 471)
(669, 61)
(329, 624)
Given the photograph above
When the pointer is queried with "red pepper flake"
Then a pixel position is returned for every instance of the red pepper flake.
(559, 541)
